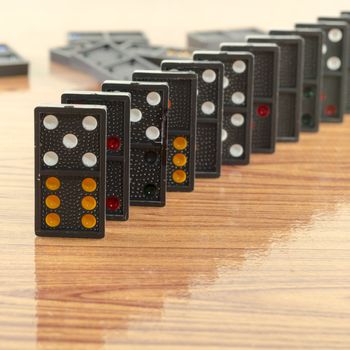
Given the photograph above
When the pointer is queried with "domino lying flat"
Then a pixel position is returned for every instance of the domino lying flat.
(156, 54)
(105, 60)
(112, 55)
(211, 40)
(113, 36)
(11, 63)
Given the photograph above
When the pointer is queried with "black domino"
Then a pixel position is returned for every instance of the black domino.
(210, 88)
(346, 19)
(290, 83)
(335, 52)
(117, 147)
(11, 63)
(312, 79)
(265, 101)
(238, 103)
(182, 120)
(70, 171)
(148, 154)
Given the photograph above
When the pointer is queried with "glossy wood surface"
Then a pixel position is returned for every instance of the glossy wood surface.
(258, 259)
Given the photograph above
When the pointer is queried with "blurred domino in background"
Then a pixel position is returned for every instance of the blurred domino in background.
(78, 38)
(346, 19)
(335, 53)
(211, 40)
(11, 63)
(105, 60)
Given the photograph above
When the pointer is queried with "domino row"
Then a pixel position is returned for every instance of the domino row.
(98, 152)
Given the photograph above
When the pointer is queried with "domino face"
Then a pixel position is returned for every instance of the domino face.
(265, 100)
(312, 78)
(70, 171)
(209, 126)
(238, 98)
(106, 60)
(117, 147)
(290, 83)
(211, 40)
(11, 63)
(346, 19)
(182, 118)
(148, 155)
(333, 94)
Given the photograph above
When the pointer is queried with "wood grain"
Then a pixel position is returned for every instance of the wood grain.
(258, 259)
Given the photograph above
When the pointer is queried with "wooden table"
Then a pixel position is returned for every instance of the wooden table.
(259, 258)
